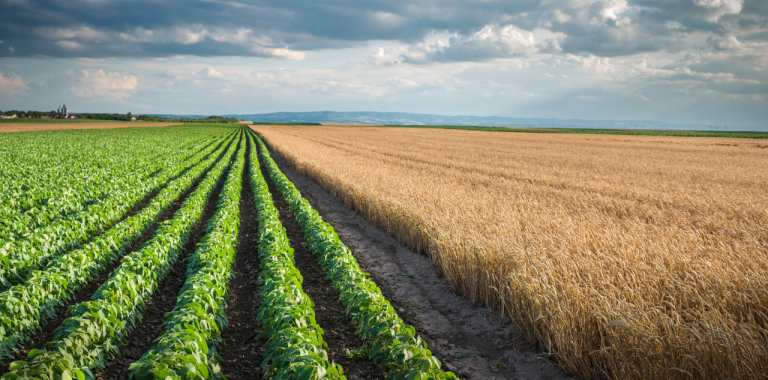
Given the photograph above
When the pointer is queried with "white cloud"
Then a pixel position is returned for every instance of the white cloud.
(385, 58)
(112, 86)
(246, 41)
(716, 9)
(489, 43)
(597, 65)
(12, 85)
(613, 8)
(210, 73)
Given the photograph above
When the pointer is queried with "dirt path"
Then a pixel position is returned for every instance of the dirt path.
(469, 340)
(30, 127)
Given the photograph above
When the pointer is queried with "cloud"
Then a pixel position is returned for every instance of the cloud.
(210, 73)
(607, 49)
(482, 30)
(12, 85)
(112, 86)
(486, 44)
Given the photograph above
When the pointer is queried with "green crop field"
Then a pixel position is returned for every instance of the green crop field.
(105, 222)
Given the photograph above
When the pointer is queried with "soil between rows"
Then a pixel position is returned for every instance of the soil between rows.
(46, 334)
(242, 352)
(339, 333)
(143, 336)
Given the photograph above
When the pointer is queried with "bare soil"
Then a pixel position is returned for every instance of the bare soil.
(468, 339)
(29, 127)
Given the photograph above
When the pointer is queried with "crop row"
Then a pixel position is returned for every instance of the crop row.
(90, 188)
(295, 347)
(97, 327)
(26, 306)
(43, 169)
(388, 341)
(187, 347)
(19, 258)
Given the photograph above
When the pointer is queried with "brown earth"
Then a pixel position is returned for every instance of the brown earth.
(31, 127)
(468, 339)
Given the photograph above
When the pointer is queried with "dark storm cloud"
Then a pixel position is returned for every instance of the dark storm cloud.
(284, 29)
(155, 28)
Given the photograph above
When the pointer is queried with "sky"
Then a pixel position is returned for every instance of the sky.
(679, 61)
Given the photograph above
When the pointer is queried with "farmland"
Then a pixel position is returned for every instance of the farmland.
(31, 125)
(217, 250)
(619, 256)
(169, 253)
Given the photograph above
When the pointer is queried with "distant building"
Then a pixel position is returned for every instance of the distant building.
(63, 112)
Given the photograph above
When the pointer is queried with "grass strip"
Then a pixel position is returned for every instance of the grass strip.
(19, 258)
(25, 307)
(187, 347)
(295, 348)
(98, 327)
(388, 341)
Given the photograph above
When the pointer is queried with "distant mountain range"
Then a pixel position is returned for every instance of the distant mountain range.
(402, 118)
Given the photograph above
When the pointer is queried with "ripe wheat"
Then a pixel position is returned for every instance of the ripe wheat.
(622, 256)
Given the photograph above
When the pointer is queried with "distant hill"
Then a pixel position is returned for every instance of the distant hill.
(402, 118)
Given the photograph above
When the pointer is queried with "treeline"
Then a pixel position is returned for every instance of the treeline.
(209, 119)
(119, 117)
(106, 116)
(34, 114)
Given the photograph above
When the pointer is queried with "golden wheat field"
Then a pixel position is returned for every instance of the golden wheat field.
(638, 257)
